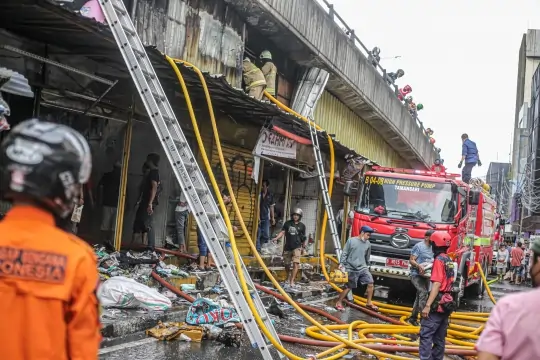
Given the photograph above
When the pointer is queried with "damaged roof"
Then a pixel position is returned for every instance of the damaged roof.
(47, 22)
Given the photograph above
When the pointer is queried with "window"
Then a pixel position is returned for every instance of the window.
(408, 199)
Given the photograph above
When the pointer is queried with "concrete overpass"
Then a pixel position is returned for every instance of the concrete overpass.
(309, 35)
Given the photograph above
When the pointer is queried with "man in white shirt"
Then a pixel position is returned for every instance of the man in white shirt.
(181, 215)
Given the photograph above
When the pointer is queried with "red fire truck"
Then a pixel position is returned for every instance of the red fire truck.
(402, 204)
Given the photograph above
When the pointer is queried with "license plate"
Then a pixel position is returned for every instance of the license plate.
(397, 263)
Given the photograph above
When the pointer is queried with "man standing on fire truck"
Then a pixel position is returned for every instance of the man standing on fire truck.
(440, 303)
(469, 154)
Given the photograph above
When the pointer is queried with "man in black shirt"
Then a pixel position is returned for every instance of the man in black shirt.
(109, 190)
(295, 236)
(147, 200)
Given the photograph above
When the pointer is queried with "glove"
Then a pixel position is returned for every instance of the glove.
(479, 162)
(460, 164)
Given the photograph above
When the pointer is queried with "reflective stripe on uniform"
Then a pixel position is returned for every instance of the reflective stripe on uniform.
(251, 71)
(256, 83)
(478, 242)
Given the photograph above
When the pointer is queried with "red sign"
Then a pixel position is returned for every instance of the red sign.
(397, 263)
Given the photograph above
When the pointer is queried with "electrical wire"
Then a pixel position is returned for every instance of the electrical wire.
(346, 343)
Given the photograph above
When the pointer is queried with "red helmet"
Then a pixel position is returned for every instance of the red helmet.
(440, 239)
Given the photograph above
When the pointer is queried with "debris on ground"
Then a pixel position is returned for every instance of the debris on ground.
(175, 330)
(167, 270)
(275, 310)
(231, 338)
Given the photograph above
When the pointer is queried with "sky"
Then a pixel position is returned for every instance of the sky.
(460, 58)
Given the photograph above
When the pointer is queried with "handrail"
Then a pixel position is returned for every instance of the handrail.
(352, 35)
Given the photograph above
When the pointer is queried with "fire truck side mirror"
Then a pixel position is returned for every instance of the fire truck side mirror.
(474, 197)
(349, 188)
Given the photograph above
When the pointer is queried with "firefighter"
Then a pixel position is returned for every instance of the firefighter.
(254, 79)
(48, 277)
(440, 303)
(269, 71)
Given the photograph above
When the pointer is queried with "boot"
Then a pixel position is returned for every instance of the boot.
(413, 319)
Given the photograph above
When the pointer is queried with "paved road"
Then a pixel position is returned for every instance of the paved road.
(140, 347)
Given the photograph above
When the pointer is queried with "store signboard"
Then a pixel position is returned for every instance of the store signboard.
(273, 144)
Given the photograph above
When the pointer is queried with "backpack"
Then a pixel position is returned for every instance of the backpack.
(446, 307)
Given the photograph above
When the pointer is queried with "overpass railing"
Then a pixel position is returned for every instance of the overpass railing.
(350, 33)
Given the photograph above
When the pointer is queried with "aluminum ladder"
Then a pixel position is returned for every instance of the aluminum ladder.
(187, 171)
(324, 186)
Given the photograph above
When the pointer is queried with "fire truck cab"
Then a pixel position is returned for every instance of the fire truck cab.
(402, 204)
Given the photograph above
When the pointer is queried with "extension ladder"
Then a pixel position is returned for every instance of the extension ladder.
(324, 186)
(186, 170)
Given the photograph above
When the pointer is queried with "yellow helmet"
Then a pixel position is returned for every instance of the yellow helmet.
(486, 187)
(266, 55)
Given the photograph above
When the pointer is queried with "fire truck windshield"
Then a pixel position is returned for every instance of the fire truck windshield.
(408, 199)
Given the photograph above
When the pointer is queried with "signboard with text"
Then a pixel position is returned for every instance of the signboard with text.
(274, 144)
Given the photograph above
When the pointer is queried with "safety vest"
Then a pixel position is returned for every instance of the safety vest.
(253, 76)
(269, 71)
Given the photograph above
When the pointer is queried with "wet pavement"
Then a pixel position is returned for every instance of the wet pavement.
(139, 346)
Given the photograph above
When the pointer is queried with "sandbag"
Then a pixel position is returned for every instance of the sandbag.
(125, 293)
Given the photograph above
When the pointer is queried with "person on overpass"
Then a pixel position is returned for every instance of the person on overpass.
(48, 277)
(510, 332)
(440, 303)
(421, 253)
(438, 166)
(469, 155)
(295, 237)
(391, 77)
(269, 71)
(254, 79)
(355, 261)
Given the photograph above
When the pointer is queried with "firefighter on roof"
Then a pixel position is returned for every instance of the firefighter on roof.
(440, 303)
(48, 277)
(269, 71)
(254, 79)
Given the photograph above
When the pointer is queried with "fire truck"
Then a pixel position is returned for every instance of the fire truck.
(402, 204)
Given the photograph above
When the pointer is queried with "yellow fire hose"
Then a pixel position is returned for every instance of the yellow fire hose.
(318, 328)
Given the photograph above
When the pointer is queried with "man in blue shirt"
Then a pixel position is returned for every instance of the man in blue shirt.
(469, 155)
(266, 215)
(421, 253)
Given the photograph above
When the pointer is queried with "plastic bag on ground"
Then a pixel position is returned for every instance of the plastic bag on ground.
(271, 248)
(122, 292)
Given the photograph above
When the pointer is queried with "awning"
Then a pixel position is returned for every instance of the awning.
(14, 83)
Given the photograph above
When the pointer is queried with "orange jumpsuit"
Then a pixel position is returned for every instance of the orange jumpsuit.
(48, 282)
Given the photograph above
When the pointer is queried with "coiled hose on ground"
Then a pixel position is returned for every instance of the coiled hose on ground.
(363, 329)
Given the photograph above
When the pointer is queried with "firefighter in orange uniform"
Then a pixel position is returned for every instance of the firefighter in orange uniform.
(48, 278)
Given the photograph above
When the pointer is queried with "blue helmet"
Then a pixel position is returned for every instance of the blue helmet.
(366, 229)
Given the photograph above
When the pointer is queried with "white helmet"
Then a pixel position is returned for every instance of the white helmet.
(266, 55)
(298, 212)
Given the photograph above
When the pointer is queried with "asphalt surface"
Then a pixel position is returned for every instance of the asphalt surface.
(139, 346)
